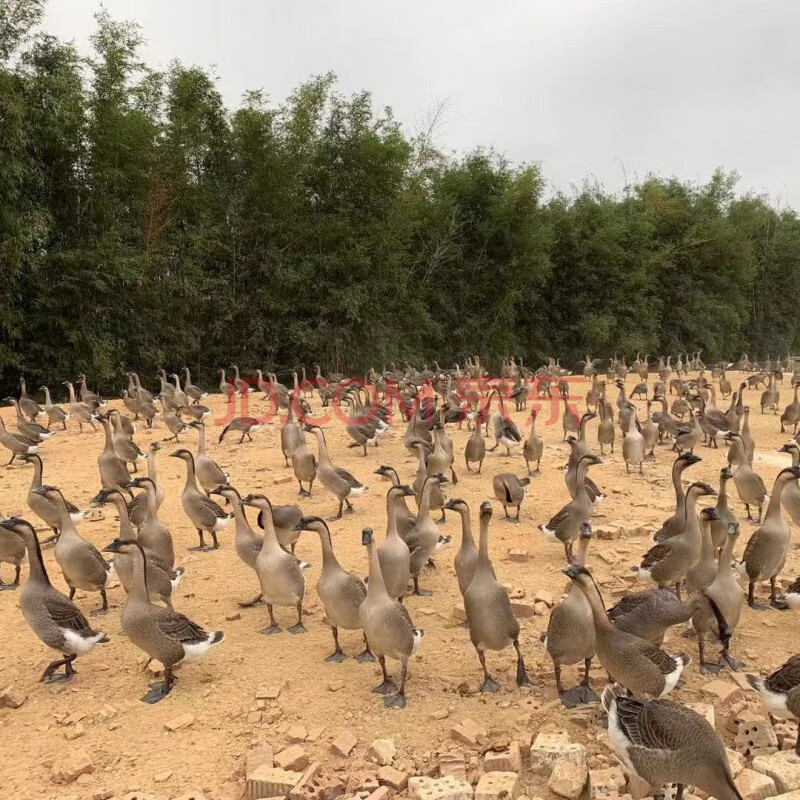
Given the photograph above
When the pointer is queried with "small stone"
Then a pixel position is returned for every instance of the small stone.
(395, 778)
(459, 613)
(74, 732)
(540, 609)
(467, 732)
(232, 616)
(755, 735)
(293, 758)
(547, 748)
(335, 686)
(344, 743)
(268, 693)
(518, 555)
(441, 713)
(452, 764)
(753, 785)
(177, 723)
(282, 479)
(523, 609)
(11, 698)
(270, 782)
(102, 794)
(603, 782)
(543, 596)
(261, 756)
(382, 751)
(783, 767)
(736, 760)
(568, 779)
(381, 793)
(162, 777)
(448, 788)
(155, 669)
(723, 692)
(297, 733)
(498, 786)
(508, 760)
(74, 765)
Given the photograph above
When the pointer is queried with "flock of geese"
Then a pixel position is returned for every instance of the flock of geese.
(691, 562)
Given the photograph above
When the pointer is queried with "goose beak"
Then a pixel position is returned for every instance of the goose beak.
(366, 536)
(408, 491)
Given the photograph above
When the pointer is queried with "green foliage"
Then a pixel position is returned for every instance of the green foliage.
(143, 224)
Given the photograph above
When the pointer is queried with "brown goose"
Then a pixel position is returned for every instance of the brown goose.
(56, 620)
(12, 551)
(423, 540)
(664, 743)
(17, 445)
(54, 412)
(641, 667)
(26, 428)
(209, 473)
(31, 407)
(492, 624)
(137, 508)
(165, 635)
(533, 447)
(780, 692)
(85, 415)
(113, 472)
(336, 480)
(394, 555)
(153, 535)
(749, 486)
(194, 392)
(510, 491)
(304, 465)
(674, 525)
(405, 519)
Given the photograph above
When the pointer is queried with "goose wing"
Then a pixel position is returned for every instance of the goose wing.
(656, 554)
(346, 476)
(179, 627)
(785, 678)
(209, 505)
(664, 661)
(628, 604)
(655, 724)
(559, 518)
(65, 614)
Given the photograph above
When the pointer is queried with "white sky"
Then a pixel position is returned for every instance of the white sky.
(675, 87)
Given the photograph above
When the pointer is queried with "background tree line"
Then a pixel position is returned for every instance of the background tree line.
(143, 224)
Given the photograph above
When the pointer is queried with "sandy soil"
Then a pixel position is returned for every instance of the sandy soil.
(127, 739)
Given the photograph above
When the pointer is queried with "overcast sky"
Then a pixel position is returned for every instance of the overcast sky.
(675, 87)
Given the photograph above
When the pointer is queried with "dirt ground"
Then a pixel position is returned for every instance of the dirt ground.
(127, 739)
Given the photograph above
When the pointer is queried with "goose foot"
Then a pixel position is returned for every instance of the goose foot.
(395, 701)
(205, 548)
(158, 691)
(363, 658)
(536, 472)
(464, 624)
(731, 663)
(270, 630)
(690, 633)
(580, 695)
(98, 612)
(297, 628)
(490, 685)
(709, 669)
(759, 606)
(303, 493)
(5, 587)
(337, 656)
(387, 687)
(334, 518)
(776, 602)
(680, 684)
(350, 510)
(422, 592)
(56, 677)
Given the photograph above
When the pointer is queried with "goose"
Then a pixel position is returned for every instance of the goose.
(162, 580)
(341, 592)
(578, 450)
(423, 539)
(26, 428)
(467, 556)
(336, 480)
(510, 491)
(171, 418)
(569, 638)
(765, 552)
(126, 449)
(651, 613)
(720, 606)
(279, 572)
(209, 473)
(26, 404)
(492, 624)
(304, 465)
(770, 397)
(41, 506)
(88, 397)
(667, 425)
(674, 525)
(405, 519)
(633, 445)
(178, 395)
(791, 414)
(780, 692)
(153, 535)
(137, 508)
(667, 563)
(16, 444)
(12, 551)
(605, 430)
(747, 438)
(80, 411)
(284, 518)
(533, 447)
(164, 634)
(195, 411)
(791, 493)
(688, 436)
(80, 561)
(56, 620)
(243, 425)
(664, 743)
(570, 422)
(719, 527)
(387, 627)
(394, 554)
(227, 387)
(725, 388)
(565, 526)
(242, 386)
(54, 412)
(749, 486)
(291, 436)
(204, 513)
(703, 571)
(641, 667)
(475, 449)
(194, 392)
(437, 497)
(113, 471)
(504, 428)
(441, 459)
